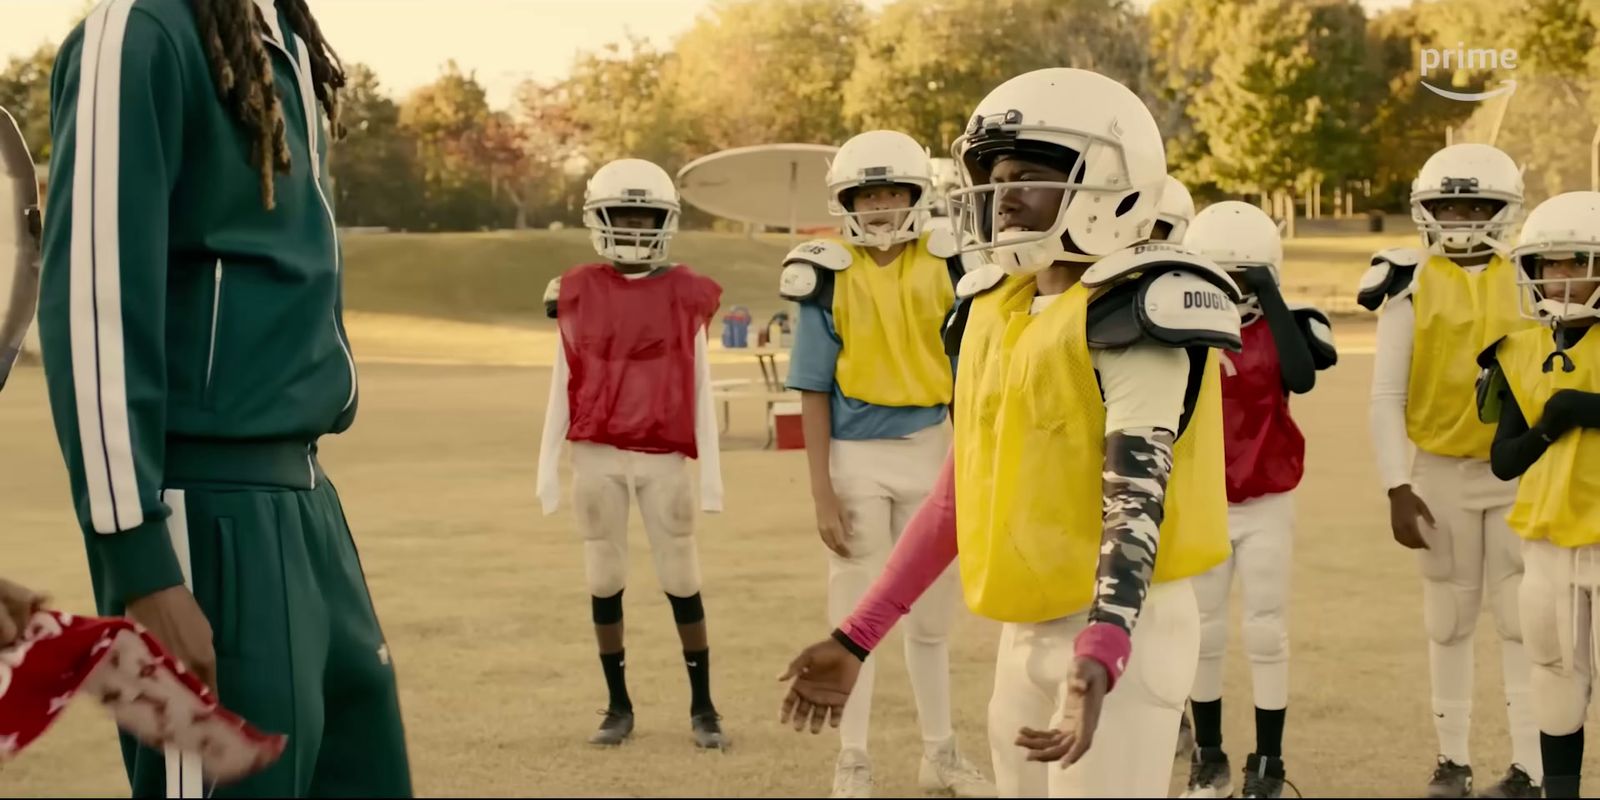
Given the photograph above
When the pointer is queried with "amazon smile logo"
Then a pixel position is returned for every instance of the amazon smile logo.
(1463, 58)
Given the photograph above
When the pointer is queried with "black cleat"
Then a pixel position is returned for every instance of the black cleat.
(1209, 774)
(1263, 776)
(1450, 780)
(1516, 783)
(614, 729)
(707, 728)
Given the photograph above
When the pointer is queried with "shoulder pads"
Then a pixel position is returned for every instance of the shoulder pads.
(1173, 307)
(552, 291)
(979, 281)
(824, 253)
(1389, 276)
(1153, 258)
(1318, 330)
(972, 262)
(803, 283)
(941, 242)
(1492, 384)
(807, 270)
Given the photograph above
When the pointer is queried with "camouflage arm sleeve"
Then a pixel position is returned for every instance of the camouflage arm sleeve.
(1134, 481)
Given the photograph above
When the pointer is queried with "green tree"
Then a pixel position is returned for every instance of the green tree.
(377, 180)
(923, 65)
(1284, 108)
(1185, 39)
(1408, 122)
(617, 103)
(758, 71)
(447, 119)
(25, 92)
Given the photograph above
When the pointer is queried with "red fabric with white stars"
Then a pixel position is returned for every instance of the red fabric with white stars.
(149, 693)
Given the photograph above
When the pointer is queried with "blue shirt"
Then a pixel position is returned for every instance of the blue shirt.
(811, 369)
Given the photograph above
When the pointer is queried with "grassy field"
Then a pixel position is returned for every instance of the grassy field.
(500, 277)
(483, 603)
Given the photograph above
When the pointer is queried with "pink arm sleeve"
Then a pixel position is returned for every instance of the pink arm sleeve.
(926, 548)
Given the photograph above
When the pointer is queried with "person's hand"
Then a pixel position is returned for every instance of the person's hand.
(833, 525)
(1568, 409)
(17, 604)
(173, 617)
(1080, 716)
(823, 676)
(1405, 507)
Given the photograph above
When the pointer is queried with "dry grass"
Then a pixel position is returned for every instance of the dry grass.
(484, 606)
(486, 614)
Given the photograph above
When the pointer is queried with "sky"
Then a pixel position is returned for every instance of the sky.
(503, 41)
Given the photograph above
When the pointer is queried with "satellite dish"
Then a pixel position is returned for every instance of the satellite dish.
(775, 185)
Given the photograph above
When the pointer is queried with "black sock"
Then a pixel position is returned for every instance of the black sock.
(612, 664)
(1269, 731)
(699, 664)
(1563, 761)
(1207, 722)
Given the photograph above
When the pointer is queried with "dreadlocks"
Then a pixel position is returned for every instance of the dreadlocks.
(231, 32)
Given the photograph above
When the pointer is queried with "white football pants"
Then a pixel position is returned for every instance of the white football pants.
(1132, 751)
(880, 483)
(1262, 533)
(1471, 551)
(1560, 608)
(601, 479)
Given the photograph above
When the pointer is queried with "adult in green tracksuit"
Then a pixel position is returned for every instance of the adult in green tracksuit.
(190, 319)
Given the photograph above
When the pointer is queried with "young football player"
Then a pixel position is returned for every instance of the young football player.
(1085, 433)
(875, 385)
(631, 392)
(1282, 350)
(1442, 305)
(1542, 387)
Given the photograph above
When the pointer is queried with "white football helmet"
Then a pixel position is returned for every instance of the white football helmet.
(1238, 235)
(1563, 227)
(1176, 209)
(1087, 124)
(1467, 171)
(630, 183)
(881, 158)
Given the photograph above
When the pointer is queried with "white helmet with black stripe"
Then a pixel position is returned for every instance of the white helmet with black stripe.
(1093, 129)
(631, 184)
(1473, 172)
(881, 158)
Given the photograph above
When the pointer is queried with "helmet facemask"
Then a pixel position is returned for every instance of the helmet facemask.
(1097, 183)
(1250, 303)
(1168, 228)
(1464, 238)
(631, 244)
(865, 228)
(1575, 295)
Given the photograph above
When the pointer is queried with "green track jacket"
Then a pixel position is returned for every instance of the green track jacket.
(173, 304)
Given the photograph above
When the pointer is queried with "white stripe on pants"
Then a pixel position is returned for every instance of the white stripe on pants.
(1262, 532)
(1132, 751)
(880, 483)
(601, 476)
(184, 768)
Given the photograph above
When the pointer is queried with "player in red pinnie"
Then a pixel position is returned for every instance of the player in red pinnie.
(631, 392)
(1282, 350)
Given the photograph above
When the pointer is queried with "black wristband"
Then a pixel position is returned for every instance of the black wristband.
(855, 649)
